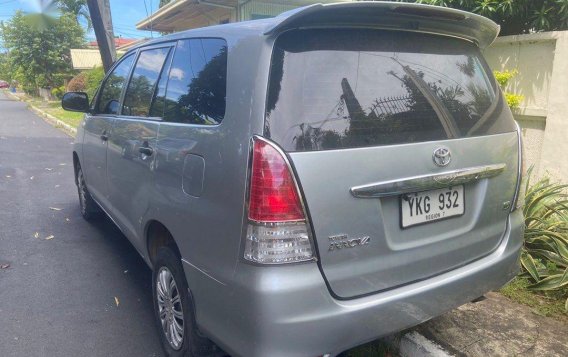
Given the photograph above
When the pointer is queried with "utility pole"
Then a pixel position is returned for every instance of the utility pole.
(102, 24)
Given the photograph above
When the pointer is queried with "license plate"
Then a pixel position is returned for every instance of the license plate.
(429, 206)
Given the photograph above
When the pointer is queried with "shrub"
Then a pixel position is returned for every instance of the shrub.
(77, 83)
(58, 92)
(93, 80)
(503, 78)
(544, 256)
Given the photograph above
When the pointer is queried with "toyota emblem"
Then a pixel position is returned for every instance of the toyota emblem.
(442, 156)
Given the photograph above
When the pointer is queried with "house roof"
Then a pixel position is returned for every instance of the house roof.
(189, 14)
(118, 42)
(87, 58)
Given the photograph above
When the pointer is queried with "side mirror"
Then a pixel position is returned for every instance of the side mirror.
(75, 102)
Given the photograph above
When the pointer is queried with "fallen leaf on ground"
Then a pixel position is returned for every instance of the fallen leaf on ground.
(4, 266)
(62, 164)
(36, 235)
(31, 178)
(67, 219)
(56, 186)
(48, 168)
(49, 237)
(55, 208)
(8, 176)
(116, 301)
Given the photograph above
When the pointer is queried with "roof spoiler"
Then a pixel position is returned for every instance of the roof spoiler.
(390, 15)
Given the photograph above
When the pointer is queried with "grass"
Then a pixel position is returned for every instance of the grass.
(54, 108)
(549, 304)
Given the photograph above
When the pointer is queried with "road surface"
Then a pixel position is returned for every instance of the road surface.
(57, 297)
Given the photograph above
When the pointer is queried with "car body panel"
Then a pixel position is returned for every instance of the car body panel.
(94, 149)
(130, 174)
(271, 306)
(396, 255)
(390, 15)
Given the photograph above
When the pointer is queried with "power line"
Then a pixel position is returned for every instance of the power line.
(147, 15)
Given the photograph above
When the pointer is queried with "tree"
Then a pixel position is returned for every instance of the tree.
(5, 67)
(514, 16)
(39, 48)
(77, 8)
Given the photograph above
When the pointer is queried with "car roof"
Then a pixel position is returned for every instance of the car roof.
(375, 14)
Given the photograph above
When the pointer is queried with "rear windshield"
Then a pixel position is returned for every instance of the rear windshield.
(333, 89)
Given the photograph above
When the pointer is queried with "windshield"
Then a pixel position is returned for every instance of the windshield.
(357, 88)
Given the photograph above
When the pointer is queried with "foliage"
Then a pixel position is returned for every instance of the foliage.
(503, 78)
(514, 100)
(39, 48)
(58, 92)
(164, 2)
(77, 83)
(6, 72)
(93, 80)
(77, 8)
(544, 256)
(552, 306)
(514, 16)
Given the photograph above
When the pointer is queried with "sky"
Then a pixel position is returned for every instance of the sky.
(125, 14)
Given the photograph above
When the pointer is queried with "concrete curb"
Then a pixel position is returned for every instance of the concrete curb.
(413, 344)
(66, 128)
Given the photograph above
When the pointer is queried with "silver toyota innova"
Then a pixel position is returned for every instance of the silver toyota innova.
(304, 184)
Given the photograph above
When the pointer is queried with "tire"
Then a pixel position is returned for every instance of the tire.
(175, 304)
(89, 208)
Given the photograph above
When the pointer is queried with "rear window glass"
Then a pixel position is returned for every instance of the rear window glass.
(357, 88)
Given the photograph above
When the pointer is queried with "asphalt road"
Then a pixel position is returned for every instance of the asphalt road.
(57, 297)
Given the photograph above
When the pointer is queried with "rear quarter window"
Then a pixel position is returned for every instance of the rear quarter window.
(333, 89)
(197, 85)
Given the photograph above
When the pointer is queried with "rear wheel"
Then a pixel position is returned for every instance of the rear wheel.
(173, 309)
(89, 208)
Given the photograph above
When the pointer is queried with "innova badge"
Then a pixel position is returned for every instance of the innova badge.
(442, 156)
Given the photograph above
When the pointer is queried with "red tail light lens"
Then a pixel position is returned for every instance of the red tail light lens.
(273, 193)
(277, 231)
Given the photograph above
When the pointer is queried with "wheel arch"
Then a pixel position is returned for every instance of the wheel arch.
(157, 236)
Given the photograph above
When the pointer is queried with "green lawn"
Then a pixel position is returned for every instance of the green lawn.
(551, 304)
(54, 108)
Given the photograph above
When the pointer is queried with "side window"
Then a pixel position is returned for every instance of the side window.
(142, 85)
(109, 98)
(197, 86)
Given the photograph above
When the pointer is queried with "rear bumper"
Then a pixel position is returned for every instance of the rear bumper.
(288, 311)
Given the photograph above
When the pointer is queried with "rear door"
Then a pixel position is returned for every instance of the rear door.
(97, 127)
(404, 149)
(131, 147)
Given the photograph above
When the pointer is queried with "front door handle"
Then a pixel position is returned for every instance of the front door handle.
(146, 150)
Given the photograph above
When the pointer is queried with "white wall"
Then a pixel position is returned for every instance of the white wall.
(542, 62)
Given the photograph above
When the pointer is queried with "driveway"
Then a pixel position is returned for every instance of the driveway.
(71, 288)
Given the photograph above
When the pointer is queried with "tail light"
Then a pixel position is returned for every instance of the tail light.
(519, 199)
(277, 229)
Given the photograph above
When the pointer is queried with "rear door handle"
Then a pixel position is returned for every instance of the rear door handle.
(146, 150)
